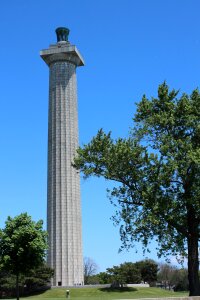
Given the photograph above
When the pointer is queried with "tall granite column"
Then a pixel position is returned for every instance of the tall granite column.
(63, 193)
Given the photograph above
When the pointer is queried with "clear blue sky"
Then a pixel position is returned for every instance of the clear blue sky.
(130, 47)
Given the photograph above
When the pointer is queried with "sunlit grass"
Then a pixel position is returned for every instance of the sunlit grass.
(106, 293)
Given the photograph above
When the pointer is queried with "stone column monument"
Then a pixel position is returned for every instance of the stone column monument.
(63, 194)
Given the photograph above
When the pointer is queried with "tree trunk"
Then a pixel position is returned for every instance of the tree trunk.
(193, 259)
(17, 286)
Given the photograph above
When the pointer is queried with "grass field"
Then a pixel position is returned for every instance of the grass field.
(106, 293)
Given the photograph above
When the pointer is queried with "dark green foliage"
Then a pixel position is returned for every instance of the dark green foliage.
(157, 170)
(117, 289)
(23, 245)
(123, 274)
(38, 278)
(93, 280)
(128, 272)
(7, 284)
(148, 269)
(104, 278)
(35, 280)
(181, 281)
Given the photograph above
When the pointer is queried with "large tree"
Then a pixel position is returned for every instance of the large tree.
(157, 175)
(148, 269)
(124, 273)
(23, 245)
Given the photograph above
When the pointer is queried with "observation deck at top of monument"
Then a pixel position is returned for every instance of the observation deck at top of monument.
(63, 50)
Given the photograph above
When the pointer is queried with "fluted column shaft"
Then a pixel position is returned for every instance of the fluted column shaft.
(64, 216)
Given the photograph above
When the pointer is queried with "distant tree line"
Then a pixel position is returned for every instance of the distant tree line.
(128, 272)
(162, 275)
(170, 277)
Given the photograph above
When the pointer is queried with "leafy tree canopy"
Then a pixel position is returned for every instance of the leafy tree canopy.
(38, 277)
(35, 280)
(104, 278)
(128, 272)
(124, 273)
(23, 245)
(157, 170)
(148, 269)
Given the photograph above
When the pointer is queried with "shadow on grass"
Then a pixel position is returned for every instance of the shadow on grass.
(119, 289)
(36, 293)
(25, 294)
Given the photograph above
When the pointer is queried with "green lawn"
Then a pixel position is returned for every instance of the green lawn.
(104, 293)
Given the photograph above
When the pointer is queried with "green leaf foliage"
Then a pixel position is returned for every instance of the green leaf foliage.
(148, 269)
(156, 171)
(38, 277)
(124, 273)
(23, 244)
(35, 280)
(104, 278)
